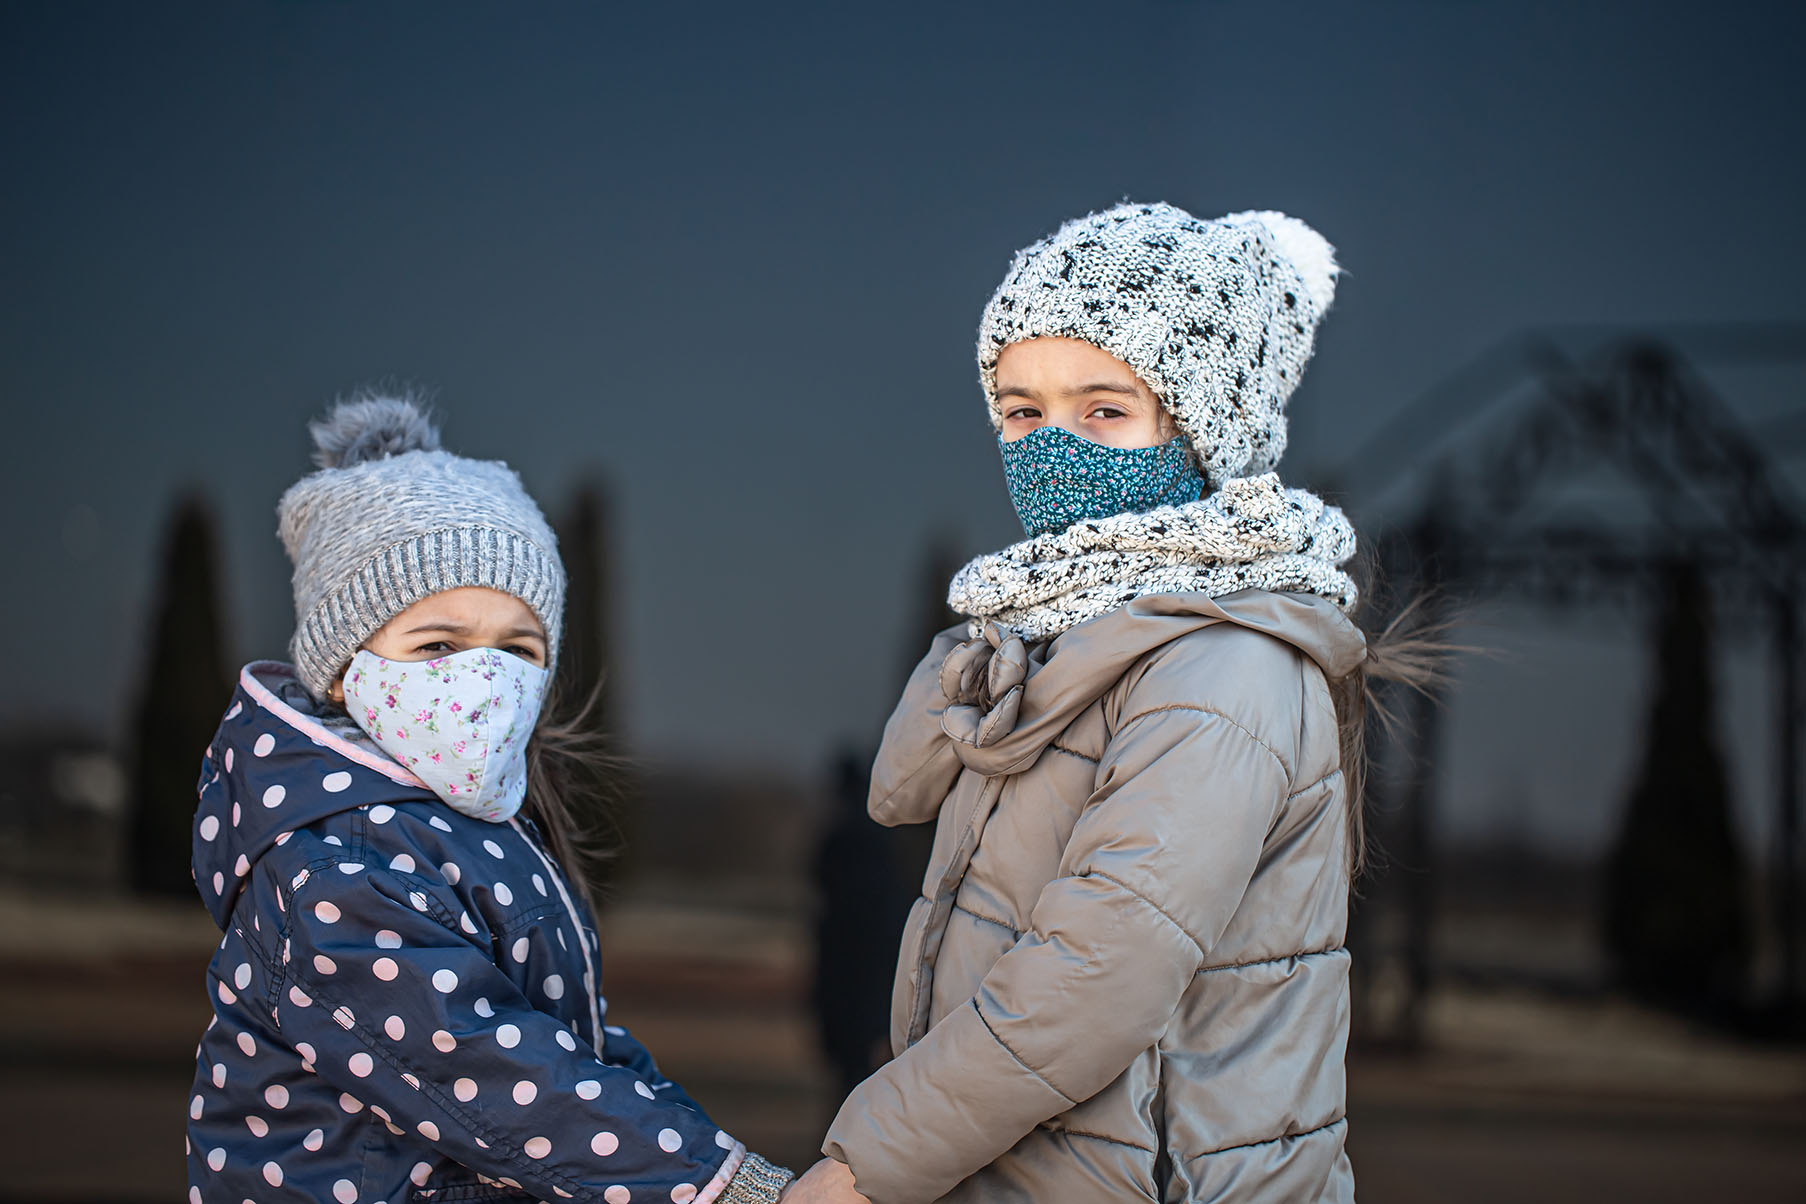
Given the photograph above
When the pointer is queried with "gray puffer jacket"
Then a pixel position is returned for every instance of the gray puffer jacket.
(1126, 978)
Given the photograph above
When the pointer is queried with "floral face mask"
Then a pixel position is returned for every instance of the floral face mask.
(459, 722)
(1057, 478)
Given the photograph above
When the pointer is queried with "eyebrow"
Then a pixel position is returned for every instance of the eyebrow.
(1101, 386)
(513, 633)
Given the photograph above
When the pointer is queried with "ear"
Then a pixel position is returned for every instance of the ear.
(336, 691)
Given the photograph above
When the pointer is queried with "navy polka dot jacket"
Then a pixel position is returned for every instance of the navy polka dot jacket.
(406, 1004)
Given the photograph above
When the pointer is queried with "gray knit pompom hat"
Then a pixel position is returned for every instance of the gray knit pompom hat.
(390, 519)
(1216, 317)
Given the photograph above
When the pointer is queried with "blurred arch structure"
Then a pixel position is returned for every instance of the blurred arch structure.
(1491, 514)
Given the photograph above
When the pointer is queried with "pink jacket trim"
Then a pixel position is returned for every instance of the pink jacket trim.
(314, 730)
(719, 1183)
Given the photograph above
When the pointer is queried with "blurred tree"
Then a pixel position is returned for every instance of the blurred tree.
(586, 678)
(1676, 923)
(186, 686)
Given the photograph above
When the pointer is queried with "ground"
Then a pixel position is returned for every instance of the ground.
(1518, 1096)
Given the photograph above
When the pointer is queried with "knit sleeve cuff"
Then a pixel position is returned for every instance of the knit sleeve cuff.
(755, 1181)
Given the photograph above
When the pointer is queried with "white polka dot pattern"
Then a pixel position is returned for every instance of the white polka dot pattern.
(443, 995)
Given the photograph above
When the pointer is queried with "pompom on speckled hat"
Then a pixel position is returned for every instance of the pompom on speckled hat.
(1217, 317)
(390, 519)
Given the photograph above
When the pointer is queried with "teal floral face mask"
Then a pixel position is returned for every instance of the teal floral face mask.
(1057, 478)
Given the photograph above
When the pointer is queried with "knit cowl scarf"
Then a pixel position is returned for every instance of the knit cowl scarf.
(1252, 533)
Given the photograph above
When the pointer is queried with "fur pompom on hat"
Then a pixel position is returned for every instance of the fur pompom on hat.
(389, 519)
(1217, 317)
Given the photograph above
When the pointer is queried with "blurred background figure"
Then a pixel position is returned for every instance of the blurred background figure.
(863, 896)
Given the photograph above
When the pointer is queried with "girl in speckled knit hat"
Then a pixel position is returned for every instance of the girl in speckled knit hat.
(1125, 978)
(406, 997)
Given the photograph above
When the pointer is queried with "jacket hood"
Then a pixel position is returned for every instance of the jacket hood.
(270, 770)
(1001, 703)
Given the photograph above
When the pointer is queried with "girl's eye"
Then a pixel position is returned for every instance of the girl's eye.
(1022, 412)
(1107, 412)
(434, 646)
(526, 654)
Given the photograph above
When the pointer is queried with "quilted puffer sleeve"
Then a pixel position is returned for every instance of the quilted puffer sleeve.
(391, 993)
(1155, 869)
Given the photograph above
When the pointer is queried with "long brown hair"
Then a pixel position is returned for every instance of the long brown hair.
(573, 787)
(1411, 650)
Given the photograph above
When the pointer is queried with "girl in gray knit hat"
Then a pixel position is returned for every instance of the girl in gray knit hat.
(406, 999)
(1125, 978)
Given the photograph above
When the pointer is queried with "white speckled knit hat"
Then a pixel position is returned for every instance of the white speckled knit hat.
(1217, 317)
(390, 519)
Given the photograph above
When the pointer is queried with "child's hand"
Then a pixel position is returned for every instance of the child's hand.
(827, 1182)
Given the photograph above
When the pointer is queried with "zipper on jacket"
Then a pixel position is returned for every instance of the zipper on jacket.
(941, 906)
(589, 955)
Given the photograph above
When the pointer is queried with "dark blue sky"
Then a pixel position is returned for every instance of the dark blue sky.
(731, 258)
